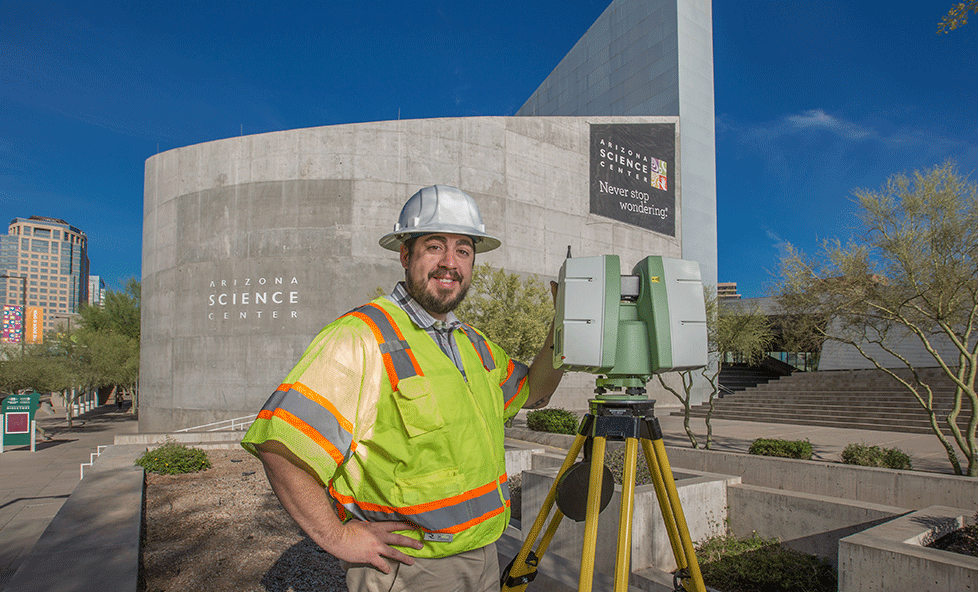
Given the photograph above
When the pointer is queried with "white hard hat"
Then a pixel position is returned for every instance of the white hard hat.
(440, 209)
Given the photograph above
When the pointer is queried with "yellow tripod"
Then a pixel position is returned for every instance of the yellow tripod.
(634, 422)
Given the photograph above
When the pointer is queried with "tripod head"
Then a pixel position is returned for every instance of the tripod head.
(627, 328)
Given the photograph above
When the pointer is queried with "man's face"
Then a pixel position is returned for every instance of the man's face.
(438, 270)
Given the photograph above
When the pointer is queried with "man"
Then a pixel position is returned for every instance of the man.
(385, 443)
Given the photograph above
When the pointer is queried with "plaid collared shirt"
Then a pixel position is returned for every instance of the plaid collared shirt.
(441, 331)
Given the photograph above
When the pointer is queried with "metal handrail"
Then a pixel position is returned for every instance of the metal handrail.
(238, 423)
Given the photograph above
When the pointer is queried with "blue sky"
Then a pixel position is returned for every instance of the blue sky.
(813, 99)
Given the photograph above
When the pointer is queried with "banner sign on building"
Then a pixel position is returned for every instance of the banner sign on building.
(34, 325)
(13, 323)
(633, 174)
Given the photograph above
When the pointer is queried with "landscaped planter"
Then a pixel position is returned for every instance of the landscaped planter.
(892, 557)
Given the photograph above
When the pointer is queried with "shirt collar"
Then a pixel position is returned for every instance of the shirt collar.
(418, 315)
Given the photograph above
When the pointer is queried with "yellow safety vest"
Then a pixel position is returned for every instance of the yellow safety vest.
(433, 455)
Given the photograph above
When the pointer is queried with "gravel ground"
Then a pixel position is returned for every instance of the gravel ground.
(223, 530)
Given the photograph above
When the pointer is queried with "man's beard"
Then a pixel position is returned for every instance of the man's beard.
(428, 300)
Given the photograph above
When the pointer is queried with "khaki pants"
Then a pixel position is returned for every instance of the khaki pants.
(472, 571)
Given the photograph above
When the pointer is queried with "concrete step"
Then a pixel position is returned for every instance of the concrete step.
(859, 399)
(840, 406)
(855, 400)
(874, 424)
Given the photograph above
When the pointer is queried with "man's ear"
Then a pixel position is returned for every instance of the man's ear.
(405, 256)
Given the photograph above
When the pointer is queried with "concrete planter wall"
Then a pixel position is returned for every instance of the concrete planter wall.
(892, 557)
(703, 497)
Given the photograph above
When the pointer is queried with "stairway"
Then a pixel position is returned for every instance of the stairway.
(738, 377)
(856, 399)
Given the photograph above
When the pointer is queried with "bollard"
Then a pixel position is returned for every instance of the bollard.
(33, 435)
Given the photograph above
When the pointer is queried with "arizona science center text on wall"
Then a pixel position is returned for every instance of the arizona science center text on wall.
(633, 174)
(253, 298)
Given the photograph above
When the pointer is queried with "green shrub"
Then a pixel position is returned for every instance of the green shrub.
(554, 421)
(874, 456)
(174, 459)
(747, 564)
(784, 448)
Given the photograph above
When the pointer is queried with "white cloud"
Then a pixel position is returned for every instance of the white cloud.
(820, 120)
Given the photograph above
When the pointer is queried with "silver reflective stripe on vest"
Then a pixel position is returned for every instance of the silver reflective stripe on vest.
(511, 386)
(314, 415)
(481, 348)
(451, 518)
(392, 346)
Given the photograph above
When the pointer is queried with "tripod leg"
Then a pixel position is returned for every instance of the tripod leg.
(658, 451)
(520, 566)
(593, 509)
(663, 496)
(623, 560)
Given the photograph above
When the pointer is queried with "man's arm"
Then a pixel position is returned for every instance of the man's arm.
(305, 499)
(543, 378)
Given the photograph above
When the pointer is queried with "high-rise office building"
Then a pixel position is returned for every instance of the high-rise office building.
(96, 290)
(727, 291)
(46, 261)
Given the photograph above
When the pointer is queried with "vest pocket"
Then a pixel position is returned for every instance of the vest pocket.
(417, 406)
(437, 494)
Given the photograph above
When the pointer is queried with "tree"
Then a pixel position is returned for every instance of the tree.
(119, 312)
(957, 16)
(107, 352)
(911, 275)
(736, 330)
(512, 311)
(35, 368)
(103, 351)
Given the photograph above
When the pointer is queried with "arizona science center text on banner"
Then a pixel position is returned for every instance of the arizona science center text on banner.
(633, 174)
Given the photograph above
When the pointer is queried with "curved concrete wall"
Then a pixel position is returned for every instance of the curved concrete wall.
(252, 244)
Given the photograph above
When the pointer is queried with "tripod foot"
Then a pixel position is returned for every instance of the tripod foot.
(509, 582)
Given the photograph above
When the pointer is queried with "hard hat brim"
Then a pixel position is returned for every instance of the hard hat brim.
(483, 242)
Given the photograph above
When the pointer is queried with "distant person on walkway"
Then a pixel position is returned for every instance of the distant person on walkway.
(119, 398)
(385, 443)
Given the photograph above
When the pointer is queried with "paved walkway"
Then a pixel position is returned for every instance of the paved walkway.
(925, 450)
(34, 486)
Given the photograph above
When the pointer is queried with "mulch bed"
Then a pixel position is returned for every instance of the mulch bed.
(223, 530)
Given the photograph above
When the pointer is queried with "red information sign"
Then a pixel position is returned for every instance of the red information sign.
(18, 422)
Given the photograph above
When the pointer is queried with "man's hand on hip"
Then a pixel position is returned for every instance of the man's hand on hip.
(370, 542)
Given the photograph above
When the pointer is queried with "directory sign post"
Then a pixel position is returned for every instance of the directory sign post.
(18, 413)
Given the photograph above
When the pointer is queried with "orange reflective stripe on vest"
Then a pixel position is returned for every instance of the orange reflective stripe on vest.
(450, 515)
(314, 416)
(398, 359)
(481, 347)
(516, 375)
